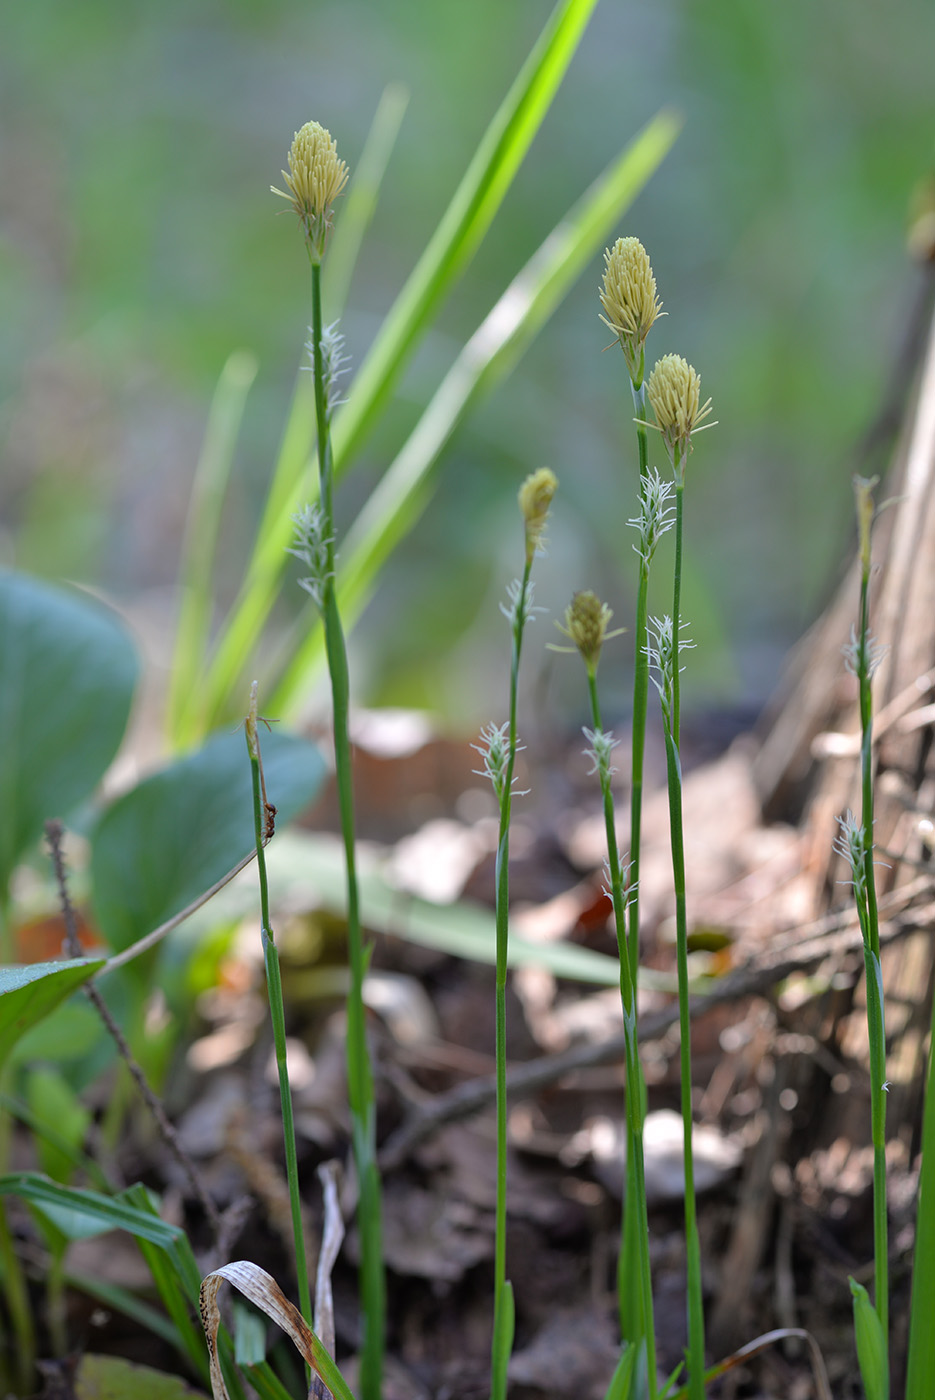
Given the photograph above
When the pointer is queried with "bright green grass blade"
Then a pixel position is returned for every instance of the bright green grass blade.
(920, 1378)
(198, 549)
(466, 220)
(362, 194)
(403, 492)
(621, 1381)
(450, 249)
(871, 1345)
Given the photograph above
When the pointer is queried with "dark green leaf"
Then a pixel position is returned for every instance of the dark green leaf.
(177, 833)
(66, 683)
(28, 994)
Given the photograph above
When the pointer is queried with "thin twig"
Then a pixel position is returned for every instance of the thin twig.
(55, 833)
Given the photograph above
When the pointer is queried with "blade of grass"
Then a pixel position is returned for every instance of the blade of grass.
(920, 1379)
(198, 548)
(403, 492)
(461, 230)
(362, 194)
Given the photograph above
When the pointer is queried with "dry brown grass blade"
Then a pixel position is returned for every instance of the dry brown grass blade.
(262, 1290)
(768, 1339)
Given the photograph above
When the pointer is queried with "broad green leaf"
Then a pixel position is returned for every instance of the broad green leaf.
(112, 1378)
(172, 837)
(405, 488)
(28, 994)
(66, 681)
(461, 230)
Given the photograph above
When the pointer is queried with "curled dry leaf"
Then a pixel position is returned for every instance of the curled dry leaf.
(264, 1292)
(331, 1240)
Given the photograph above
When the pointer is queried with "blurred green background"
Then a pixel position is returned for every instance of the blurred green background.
(139, 246)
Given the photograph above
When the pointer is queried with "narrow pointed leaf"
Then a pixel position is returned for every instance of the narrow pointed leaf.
(460, 232)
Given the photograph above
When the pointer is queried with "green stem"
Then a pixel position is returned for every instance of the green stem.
(640, 706)
(870, 926)
(676, 605)
(671, 725)
(277, 1016)
(359, 1074)
(692, 1244)
(503, 1292)
(633, 1327)
(636, 1176)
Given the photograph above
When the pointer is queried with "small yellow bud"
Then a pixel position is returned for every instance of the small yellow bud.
(535, 497)
(674, 390)
(315, 179)
(629, 299)
(586, 623)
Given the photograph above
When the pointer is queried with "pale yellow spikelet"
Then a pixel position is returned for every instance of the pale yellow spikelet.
(535, 498)
(674, 391)
(586, 622)
(314, 180)
(628, 296)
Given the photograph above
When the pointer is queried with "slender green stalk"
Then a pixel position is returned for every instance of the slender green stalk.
(360, 1077)
(498, 748)
(671, 728)
(636, 1208)
(692, 1244)
(635, 1324)
(857, 844)
(674, 391)
(640, 703)
(677, 602)
(503, 1290)
(277, 1013)
(920, 1373)
(631, 306)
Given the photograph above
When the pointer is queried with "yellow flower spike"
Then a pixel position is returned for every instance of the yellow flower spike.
(314, 180)
(629, 299)
(586, 622)
(674, 390)
(535, 498)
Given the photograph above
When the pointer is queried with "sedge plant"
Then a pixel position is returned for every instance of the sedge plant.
(315, 178)
(631, 306)
(855, 844)
(586, 623)
(674, 391)
(263, 819)
(498, 749)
